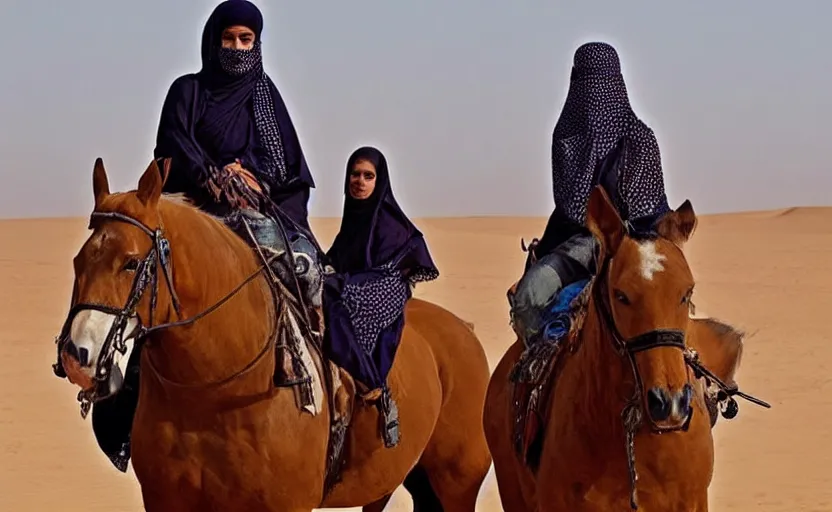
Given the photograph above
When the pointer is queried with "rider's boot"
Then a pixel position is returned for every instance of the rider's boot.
(388, 412)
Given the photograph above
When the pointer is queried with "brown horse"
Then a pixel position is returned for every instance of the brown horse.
(212, 431)
(626, 372)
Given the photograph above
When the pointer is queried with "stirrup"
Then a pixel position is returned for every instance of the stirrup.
(390, 419)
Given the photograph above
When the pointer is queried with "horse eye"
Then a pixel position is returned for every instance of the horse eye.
(687, 297)
(620, 297)
(131, 265)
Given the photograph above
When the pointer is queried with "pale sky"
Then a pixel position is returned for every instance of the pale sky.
(460, 95)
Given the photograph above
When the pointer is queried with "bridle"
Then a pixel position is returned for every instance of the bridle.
(627, 348)
(146, 278)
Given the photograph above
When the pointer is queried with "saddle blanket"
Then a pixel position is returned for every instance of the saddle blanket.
(533, 374)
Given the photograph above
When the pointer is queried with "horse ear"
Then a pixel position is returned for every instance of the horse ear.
(165, 170)
(678, 225)
(603, 220)
(150, 185)
(100, 182)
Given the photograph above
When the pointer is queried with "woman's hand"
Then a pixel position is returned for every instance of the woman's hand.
(237, 168)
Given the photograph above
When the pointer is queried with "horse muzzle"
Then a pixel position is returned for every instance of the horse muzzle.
(75, 364)
(93, 351)
(670, 410)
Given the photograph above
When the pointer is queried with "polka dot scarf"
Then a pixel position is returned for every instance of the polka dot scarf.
(239, 63)
(376, 303)
(595, 117)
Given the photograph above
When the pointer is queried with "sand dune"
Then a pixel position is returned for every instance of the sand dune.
(766, 272)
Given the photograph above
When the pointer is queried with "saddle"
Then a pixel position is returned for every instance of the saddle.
(304, 282)
(299, 274)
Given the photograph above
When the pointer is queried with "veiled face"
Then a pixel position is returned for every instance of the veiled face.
(362, 179)
(238, 37)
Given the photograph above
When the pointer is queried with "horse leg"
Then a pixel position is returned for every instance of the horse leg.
(446, 486)
(159, 502)
(451, 471)
(418, 485)
(377, 506)
(509, 487)
(515, 483)
(702, 503)
(456, 459)
(507, 466)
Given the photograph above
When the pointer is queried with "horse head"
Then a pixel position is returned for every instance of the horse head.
(643, 296)
(115, 291)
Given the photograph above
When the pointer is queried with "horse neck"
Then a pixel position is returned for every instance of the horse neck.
(601, 378)
(209, 261)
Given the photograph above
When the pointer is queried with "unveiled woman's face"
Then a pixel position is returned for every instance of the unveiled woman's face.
(238, 37)
(362, 179)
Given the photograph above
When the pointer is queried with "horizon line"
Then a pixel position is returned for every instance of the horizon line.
(772, 211)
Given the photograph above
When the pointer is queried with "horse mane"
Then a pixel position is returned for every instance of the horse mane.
(724, 329)
(179, 214)
(723, 354)
(180, 199)
(181, 202)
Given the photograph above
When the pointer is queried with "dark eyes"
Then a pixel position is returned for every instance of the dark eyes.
(687, 301)
(243, 39)
(131, 265)
(623, 299)
(367, 175)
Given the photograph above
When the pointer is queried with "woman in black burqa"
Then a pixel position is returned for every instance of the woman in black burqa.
(598, 139)
(378, 256)
(233, 146)
(229, 119)
(235, 152)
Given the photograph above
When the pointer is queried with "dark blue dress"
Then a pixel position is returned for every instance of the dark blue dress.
(378, 256)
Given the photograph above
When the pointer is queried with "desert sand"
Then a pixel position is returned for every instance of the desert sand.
(765, 272)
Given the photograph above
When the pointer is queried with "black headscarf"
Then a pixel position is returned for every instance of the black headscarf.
(375, 231)
(230, 109)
